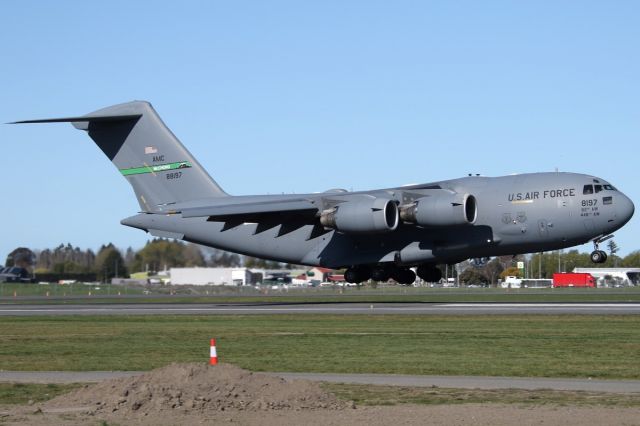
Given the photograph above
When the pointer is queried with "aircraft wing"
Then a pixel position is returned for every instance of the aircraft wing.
(290, 214)
(237, 210)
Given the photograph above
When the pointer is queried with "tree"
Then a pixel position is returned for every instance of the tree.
(225, 259)
(129, 257)
(109, 263)
(492, 270)
(67, 267)
(66, 258)
(159, 254)
(511, 271)
(544, 265)
(193, 256)
(472, 276)
(632, 260)
(21, 257)
(574, 259)
(254, 262)
(613, 249)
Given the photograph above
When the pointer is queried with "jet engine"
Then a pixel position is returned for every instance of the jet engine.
(444, 209)
(367, 215)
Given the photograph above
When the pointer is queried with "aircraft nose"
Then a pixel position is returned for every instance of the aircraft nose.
(625, 208)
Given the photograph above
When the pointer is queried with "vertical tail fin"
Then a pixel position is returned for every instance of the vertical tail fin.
(158, 167)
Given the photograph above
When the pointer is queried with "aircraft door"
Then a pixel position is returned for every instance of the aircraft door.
(543, 229)
(607, 209)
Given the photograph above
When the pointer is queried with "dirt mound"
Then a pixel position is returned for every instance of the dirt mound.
(198, 387)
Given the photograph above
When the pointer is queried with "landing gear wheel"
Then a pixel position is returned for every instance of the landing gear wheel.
(598, 256)
(429, 273)
(357, 274)
(380, 274)
(604, 256)
(351, 276)
(405, 276)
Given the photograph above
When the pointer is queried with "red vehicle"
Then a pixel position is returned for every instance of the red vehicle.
(570, 279)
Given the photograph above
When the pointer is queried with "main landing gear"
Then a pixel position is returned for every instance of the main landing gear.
(380, 272)
(597, 255)
(383, 272)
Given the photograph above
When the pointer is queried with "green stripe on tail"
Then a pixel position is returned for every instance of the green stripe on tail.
(156, 168)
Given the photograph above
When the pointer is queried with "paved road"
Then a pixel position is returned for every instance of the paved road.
(463, 382)
(473, 382)
(326, 308)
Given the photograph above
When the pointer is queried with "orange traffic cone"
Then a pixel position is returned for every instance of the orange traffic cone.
(213, 356)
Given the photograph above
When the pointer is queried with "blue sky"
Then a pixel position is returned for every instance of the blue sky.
(290, 96)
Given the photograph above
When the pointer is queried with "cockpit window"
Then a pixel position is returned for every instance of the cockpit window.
(609, 188)
(598, 188)
(588, 189)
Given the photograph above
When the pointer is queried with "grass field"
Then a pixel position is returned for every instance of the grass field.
(8, 290)
(394, 395)
(78, 293)
(19, 393)
(551, 346)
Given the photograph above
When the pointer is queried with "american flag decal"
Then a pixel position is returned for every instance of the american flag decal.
(150, 149)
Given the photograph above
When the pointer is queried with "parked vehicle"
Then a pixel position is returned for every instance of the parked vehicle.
(572, 279)
(15, 274)
(511, 282)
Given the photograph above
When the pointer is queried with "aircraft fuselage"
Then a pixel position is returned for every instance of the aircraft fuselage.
(515, 214)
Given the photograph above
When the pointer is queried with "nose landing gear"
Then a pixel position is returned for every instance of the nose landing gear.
(597, 255)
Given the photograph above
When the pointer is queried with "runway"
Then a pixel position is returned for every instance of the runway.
(326, 308)
(457, 382)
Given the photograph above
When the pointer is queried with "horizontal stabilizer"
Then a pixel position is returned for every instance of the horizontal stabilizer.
(85, 118)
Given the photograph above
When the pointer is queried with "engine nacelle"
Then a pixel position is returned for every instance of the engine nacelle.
(444, 209)
(368, 215)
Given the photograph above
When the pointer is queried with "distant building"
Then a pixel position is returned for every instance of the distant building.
(611, 277)
(212, 276)
(318, 273)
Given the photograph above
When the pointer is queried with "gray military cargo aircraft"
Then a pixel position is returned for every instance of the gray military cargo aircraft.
(377, 234)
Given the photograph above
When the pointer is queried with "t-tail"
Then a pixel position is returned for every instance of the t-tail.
(160, 169)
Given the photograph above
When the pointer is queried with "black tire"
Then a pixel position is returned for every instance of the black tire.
(596, 256)
(357, 274)
(430, 274)
(604, 256)
(437, 275)
(380, 274)
(408, 277)
(403, 276)
(351, 276)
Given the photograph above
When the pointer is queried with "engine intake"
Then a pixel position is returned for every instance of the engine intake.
(363, 216)
(447, 209)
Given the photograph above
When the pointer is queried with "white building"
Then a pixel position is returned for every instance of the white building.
(211, 276)
(608, 277)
